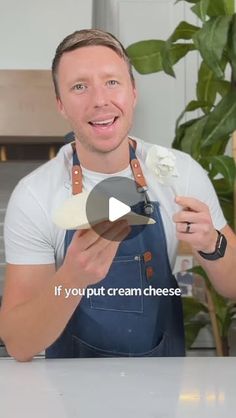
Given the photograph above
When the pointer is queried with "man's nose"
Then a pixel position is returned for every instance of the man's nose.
(100, 96)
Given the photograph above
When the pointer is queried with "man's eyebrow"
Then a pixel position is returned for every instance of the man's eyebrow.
(78, 80)
(112, 74)
(109, 74)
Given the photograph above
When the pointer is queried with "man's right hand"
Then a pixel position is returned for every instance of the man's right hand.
(90, 255)
(31, 316)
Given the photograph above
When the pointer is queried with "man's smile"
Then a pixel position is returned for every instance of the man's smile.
(105, 124)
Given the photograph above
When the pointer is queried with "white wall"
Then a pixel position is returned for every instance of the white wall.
(30, 30)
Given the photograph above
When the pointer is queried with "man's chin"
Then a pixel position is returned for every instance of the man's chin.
(105, 146)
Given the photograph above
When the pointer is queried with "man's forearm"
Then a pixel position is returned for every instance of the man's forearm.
(32, 326)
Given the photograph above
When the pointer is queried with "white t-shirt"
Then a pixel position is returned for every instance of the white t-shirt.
(32, 238)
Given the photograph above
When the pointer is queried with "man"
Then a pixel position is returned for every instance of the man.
(96, 92)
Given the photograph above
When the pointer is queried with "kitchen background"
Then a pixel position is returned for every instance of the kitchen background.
(31, 131)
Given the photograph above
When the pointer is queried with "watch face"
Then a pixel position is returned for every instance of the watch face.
(219, 251)
(222, 246)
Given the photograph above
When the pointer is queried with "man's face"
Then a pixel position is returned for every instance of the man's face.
(96, 96)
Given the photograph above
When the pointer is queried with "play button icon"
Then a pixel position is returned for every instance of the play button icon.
(117, 198)
(117, 209)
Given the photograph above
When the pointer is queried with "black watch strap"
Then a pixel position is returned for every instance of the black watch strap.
(220, 248)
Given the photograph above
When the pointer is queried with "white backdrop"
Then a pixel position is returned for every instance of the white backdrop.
(30, 30)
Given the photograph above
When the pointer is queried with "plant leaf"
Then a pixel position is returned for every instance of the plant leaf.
(191, 307)
(201, 272)
(224, 165)
(232, 47)
(191, 106)
(192, 136)
(221, 7)
(183, 31)
(188, 1)
(146, 56)
(217, 148)
(167, 61)
(211, 41)
(227, 205)
(191, 331)
(179, 133)
(178, 51)
(221, 188)
(221, 121)
(206, 88)
(222, 86)
(172, 53)
(192, 325)
(200, 9)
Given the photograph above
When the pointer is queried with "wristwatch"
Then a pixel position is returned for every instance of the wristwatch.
(220, 248)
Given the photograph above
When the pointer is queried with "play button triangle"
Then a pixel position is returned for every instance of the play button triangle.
(117, 209)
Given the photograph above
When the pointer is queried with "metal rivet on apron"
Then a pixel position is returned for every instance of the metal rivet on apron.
(149, 272)
(147, 256)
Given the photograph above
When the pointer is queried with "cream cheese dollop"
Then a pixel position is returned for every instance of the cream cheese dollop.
(162, 162)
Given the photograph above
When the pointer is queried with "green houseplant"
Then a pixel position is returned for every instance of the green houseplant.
(205, 137)
(220, 315)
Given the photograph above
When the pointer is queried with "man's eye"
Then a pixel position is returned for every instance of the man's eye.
(112, 82)
(79, 87)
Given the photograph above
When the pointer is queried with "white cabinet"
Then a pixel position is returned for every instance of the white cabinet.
(161, 98)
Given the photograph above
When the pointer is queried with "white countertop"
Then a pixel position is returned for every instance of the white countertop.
(111, 388)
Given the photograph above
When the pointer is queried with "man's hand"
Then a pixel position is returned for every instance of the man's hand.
(194, 224)
(89, 256)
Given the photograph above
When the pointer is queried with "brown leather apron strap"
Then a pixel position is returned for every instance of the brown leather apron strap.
(137, 170)
(77, 183)
(133, 143)
(76, 179)
(138, 174)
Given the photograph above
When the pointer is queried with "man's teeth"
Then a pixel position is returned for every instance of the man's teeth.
(107, 122)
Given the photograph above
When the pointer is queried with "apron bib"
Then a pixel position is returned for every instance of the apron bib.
(128, 326)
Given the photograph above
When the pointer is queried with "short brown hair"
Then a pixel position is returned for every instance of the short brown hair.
(88, 37)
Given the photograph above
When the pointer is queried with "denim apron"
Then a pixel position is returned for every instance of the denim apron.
(128, 326)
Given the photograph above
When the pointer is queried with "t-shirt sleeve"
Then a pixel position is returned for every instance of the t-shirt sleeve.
(27, 234)
(200, 187)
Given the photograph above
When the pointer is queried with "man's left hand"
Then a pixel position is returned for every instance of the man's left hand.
(194, 224)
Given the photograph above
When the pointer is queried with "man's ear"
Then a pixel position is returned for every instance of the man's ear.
(60, 108)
